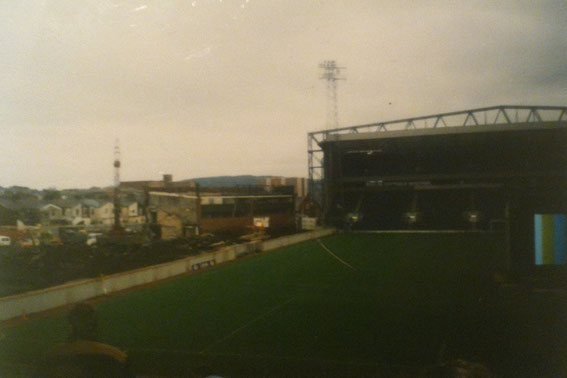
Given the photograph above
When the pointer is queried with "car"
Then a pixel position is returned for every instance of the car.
(29, 242)
(5, 241)
(48, 238)
(92, 238)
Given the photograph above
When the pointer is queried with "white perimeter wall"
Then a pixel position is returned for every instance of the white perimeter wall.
(76, 291)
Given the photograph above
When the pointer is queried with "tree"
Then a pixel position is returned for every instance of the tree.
(50, 195)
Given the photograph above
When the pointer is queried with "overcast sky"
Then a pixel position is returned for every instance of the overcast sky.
(227, 87)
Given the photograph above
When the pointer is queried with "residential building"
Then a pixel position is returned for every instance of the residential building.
(51, 214)
(88, 207)
(132, 212)
(104, 214)
(71, 209)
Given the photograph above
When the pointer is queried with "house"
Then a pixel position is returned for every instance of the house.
(103, 214)
(51, 214)
(74, 211)
(88, 207)
(87, 211)
(70, 209)
(132, 213)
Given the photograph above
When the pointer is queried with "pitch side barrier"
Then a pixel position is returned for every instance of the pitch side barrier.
(31, 302)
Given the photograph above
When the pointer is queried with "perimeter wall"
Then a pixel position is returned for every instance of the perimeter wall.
(77, 291)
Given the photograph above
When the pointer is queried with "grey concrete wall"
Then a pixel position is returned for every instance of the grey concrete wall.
(77, 291)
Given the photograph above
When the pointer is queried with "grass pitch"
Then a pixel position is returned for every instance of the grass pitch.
(405, 300)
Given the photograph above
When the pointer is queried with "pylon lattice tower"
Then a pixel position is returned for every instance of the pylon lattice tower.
(331, 73)
(117, 207)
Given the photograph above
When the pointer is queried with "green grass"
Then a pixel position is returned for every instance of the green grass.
(295, 310)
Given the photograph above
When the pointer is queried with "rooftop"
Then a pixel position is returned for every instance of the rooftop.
(496, 118)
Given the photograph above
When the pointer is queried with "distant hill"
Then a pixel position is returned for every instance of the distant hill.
(226, 181)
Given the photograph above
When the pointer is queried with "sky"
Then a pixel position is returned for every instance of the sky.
(200, 88)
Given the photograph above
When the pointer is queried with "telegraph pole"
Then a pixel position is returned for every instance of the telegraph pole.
(331, 73)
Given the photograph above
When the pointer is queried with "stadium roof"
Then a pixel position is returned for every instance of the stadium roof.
(445, 131)
(496, 118)
(482, 120)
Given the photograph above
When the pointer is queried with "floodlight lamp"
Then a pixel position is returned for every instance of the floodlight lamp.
(473, 216)
(412, 217)
(353, 217)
